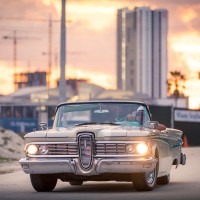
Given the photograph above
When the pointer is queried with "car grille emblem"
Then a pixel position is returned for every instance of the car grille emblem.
(85, 141)
(85, 144)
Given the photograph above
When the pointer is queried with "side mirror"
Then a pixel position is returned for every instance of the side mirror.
(43, 126)
(154, 124)
(161, 127)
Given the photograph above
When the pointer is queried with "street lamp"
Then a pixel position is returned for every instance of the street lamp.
(62, 83)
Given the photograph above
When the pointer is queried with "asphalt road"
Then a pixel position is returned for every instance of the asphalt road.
(184, 184)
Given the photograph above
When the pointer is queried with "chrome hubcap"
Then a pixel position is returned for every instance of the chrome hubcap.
(150, 177)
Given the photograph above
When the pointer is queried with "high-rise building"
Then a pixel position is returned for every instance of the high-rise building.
(142, 51)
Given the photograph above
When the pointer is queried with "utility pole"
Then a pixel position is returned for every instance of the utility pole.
(50, 46)
(56, 58)
(62, 82)
(14, 38)
(14, 51)
(49, 52)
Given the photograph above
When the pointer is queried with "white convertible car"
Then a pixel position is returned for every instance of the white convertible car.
(102, 141)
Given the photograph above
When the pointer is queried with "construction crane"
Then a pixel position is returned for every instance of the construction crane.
(15, 39)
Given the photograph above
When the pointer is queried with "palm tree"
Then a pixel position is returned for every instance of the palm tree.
(176, 85)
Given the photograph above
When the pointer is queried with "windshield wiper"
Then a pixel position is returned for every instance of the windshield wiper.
(110, 123)
(90, 123)
(86, 123)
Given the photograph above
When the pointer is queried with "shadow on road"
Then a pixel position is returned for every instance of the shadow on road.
(97, 187)
(116, 187)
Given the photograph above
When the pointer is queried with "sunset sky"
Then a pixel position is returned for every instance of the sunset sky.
(91, 39)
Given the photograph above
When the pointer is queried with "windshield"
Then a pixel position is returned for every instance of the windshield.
(133, 114)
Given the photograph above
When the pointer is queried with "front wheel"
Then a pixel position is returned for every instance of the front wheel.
(43, 182)
(145, 181)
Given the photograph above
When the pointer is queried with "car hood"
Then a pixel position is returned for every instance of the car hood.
(100, 131)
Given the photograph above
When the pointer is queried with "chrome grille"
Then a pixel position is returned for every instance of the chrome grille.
(110, 148)
(62, 149)
(85, 150)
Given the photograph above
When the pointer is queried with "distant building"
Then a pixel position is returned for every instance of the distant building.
(142, 51)
(74, 84)
(30, 79)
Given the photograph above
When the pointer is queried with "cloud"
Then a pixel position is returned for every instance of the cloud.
(25, 8)
(91, 34)
(6, 85)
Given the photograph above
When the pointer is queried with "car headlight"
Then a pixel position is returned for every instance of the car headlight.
(130, 148)
(43, 149)
(142, 148)
(32, 149)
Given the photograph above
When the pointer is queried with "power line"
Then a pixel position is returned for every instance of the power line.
(70, 34)
(27, 19)
(31, 19)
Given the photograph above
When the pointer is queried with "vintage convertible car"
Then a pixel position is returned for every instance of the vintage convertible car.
(102, 141)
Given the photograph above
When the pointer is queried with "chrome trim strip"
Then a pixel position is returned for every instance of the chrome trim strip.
(112, 165)
(38, 143)
(77, 155)
(52, 156)
(118, 156)
(125, 165)
(120, 142)
(75, 148)
(115, 149)
(47, 166)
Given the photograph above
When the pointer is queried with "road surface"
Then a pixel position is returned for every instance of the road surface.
(184, 184)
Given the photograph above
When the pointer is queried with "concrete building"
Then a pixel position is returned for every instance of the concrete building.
(142, 51)
(159, 46)
(30, 79)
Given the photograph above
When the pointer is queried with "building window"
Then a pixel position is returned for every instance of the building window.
(128, 34)
(131, 62)
(131, 82)
(5, 111)
(131, 71)
(18, 112)
(29, 112)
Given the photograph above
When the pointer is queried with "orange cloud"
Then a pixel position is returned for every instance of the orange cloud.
(193, 93)
(188, 14)
(102, 79)
(95, 15)
(93, 31)
(187, 47)
(6, 79)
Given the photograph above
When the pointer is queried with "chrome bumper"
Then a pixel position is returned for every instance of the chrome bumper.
(100, 165)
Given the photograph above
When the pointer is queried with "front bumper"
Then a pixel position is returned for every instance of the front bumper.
(100, 165)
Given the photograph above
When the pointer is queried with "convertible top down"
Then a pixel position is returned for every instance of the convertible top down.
(102, 141)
